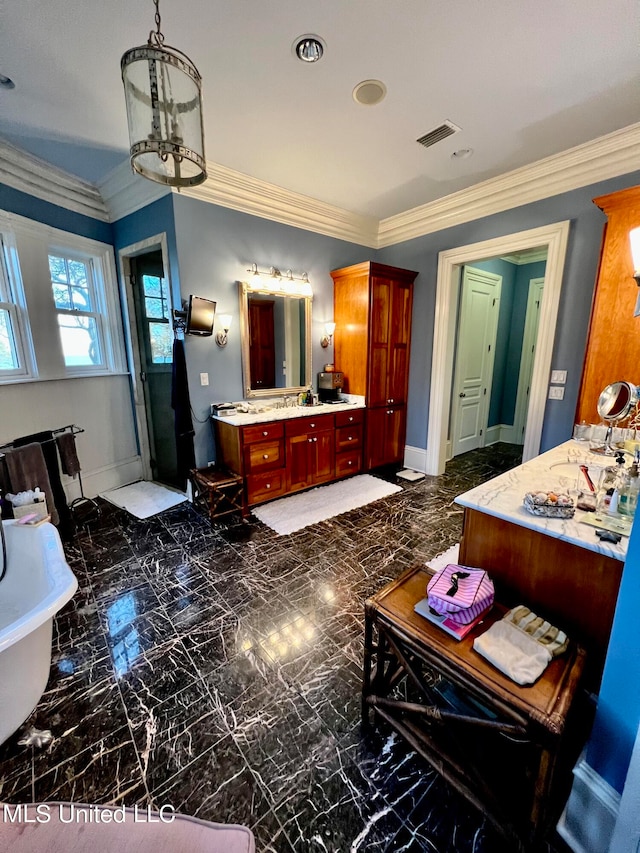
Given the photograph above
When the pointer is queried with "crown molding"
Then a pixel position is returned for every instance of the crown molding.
(35, 177)
(608, 156)
(526, 257)
(229, 188)
(124, 191)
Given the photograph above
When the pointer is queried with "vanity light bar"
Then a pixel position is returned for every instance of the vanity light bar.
(275, 281)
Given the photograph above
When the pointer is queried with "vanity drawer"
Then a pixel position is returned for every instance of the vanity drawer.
(262, 432)
(348, 438)
(348, 463)
(262, 455)
(349, 418)
(263, 487)
(309, 425)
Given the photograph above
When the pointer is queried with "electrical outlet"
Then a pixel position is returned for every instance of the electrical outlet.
(556, 392)
(204, 378)
(559, 376)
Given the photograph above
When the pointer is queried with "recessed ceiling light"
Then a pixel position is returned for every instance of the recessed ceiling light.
(369, 92)
(462, 154)
(6, 82)
(308, 48)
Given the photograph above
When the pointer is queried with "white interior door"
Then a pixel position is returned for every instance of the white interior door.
(531, 323)
(480, 302)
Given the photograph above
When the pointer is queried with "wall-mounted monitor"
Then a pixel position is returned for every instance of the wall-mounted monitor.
(200, 316)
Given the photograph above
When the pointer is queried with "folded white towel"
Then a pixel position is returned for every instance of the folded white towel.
(513, 652)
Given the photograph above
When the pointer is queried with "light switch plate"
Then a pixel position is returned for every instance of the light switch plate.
(559, 376)
(556, 392)
(204, 378)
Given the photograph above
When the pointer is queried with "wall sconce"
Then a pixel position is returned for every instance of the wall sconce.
(221, 336)
(634, 239)
(277, 282)
(325, 340)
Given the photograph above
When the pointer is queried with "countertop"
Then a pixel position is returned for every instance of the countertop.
(556, 469)
(247, 419)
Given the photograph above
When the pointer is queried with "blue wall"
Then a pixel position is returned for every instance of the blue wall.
(215, 247)
(583, 252)
(31, 207)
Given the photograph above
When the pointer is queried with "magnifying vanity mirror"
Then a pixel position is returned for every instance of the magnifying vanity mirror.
(275, 332)
(615, 403)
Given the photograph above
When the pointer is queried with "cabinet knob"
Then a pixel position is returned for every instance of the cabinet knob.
(350, 418)
(312, 426)
(315, 438)
(390, 401)
(265, 432)
(265, 455)
(350, 438)
(350, 463)
(389, 411)
(268, 486)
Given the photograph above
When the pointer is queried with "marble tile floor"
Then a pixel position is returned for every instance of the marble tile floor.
(216, 668)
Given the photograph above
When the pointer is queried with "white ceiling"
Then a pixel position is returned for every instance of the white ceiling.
(523, 79)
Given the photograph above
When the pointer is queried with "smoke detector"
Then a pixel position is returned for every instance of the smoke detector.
(369, 92)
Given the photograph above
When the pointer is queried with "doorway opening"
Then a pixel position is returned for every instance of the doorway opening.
(148, 309)
(551, 239)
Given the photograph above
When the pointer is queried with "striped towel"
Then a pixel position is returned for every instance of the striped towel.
(552, 638)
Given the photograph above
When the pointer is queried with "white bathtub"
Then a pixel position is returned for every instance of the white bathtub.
(37, 583)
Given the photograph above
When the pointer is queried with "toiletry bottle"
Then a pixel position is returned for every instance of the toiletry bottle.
(611, 478)
(629, 496)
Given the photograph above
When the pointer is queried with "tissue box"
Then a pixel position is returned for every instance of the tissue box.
(40, 508)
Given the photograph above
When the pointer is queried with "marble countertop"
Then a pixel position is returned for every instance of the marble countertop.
(556, 469)
(260, 417)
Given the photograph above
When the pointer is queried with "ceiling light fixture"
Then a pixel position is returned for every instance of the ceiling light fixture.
(309, 48)
(162, 89)
(6, 82)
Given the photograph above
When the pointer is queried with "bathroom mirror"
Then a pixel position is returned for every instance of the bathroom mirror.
(617, 400)
(275, 332)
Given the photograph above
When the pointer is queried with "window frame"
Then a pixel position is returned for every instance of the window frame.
(12, 300)
(29, 276)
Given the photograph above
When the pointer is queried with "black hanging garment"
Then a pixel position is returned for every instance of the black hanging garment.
(181, 405)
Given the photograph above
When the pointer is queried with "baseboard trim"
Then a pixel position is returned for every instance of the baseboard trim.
(415, 458)
(589, 818)
(102, 479)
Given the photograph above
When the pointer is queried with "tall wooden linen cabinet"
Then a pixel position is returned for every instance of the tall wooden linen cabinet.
(372, 311)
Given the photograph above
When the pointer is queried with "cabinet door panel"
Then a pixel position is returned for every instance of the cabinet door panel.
(381, 291)
(322, 457)
(385, 436)
(399, 340)
(297, 462)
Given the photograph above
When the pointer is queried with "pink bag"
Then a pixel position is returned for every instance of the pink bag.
(460, 592)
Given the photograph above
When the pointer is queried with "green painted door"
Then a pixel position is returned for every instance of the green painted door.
(155, 335)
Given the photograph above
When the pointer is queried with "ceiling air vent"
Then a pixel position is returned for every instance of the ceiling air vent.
(447, 128)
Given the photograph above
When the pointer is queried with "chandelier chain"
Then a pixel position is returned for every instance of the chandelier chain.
(156, 37)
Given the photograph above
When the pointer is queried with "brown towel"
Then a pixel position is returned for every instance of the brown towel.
(27, 469)
(69, 461)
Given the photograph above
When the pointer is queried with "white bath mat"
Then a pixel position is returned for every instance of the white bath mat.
(144, 499)
(293, 513)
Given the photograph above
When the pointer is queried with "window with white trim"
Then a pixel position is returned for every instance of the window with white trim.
(13, 363)
(76, 301)
(60, 314)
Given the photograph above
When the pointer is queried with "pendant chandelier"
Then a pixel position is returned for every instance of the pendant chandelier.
(162, 90)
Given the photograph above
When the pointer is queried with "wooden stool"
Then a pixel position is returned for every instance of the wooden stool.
(222, 491)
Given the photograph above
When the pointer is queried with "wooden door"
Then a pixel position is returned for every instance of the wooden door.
(381, 295)
(385, 435)
(322, 452)
(474, 360)
(262, 344)
(399, 342)
(298, 459)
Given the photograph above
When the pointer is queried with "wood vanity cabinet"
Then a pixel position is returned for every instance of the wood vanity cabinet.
(372, 312)
(310, 452)
(281, 457)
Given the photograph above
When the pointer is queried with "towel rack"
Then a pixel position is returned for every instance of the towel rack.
(73, 428)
